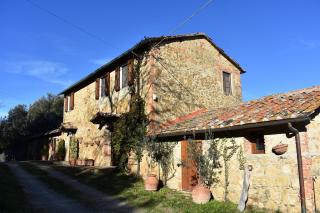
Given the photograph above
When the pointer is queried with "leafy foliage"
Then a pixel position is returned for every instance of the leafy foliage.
(129, 132)
(14, 131)
(61, 150)
(207, 163)
(45, 150)
(161, 153)
(74, 148)
(23, 123)
(45, 114)
(241, 158)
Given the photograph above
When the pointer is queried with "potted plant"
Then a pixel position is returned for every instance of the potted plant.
(61, 150)
(73, 151)
(151, 182)
(44, 152)
(207, 165)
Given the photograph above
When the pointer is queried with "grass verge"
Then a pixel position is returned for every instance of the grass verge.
(132, 190)
(57, 185)
(12, 197)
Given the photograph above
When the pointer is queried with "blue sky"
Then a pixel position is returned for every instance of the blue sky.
(276, 41)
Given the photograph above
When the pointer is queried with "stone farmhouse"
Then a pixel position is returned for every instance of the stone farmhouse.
(191, 86)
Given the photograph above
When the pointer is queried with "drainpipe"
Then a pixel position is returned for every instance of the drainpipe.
(300, 171)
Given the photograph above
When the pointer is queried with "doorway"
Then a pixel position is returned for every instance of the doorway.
(189, 170)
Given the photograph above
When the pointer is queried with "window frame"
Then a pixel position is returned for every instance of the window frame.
(68, 103)
(102, 88)
(120, 77)
(254, 138)
(224, 84)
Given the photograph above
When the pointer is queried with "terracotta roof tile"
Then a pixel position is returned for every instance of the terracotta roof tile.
(295, 104)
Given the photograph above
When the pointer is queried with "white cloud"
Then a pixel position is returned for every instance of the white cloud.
(100, 61)
(309, 44)
(47, 71)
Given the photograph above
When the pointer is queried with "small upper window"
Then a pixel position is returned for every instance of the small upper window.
(69, 100)
(257, 143)
(102, 89)
(123, 76)
(227, 83)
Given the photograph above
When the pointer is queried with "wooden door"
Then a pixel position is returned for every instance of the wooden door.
(189, 170)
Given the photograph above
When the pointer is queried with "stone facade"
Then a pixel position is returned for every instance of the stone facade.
(274, 181)
(197, 67)
(169, 75)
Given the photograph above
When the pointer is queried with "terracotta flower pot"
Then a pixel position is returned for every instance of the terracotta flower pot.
(44, 157)
(151, 183)
(280, 149)
(89, 162)
(80, 162)
(106, 150)
(201, 194)
(73, 162)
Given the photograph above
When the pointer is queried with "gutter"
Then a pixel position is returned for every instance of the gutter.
(300, 170)
(234, 128)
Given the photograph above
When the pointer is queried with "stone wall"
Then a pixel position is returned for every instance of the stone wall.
(314, 152)
(91, 138)
(189, 77)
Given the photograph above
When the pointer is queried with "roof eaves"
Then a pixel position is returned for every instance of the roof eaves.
(236, 127)
(143, 43)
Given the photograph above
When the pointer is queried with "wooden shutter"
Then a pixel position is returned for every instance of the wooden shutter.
(227, 83)
(117, 79)
(107, 84)
(257, 143)
(66, 103)
(97, 88)
(72, 101)
(130, 72)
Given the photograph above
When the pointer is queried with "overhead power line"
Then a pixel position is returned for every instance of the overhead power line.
(92, 35)
(67, 22)
(178, 26)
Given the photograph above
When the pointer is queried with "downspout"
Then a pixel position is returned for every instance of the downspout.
(300, 171)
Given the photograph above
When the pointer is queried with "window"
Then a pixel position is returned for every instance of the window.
(69, 102)
(102, 89)
(123, 76)
(227, 83)
(257, 143)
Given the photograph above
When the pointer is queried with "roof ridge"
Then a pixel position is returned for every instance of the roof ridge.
(291, 92)
(144, 43)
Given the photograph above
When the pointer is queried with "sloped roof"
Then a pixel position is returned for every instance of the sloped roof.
(144, 44)
(292, 105)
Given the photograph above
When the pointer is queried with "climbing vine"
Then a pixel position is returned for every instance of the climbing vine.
(130, 129)
(227, 149)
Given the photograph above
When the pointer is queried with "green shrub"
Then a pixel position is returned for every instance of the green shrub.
(61, 151)
(74, 148)
(45, 150)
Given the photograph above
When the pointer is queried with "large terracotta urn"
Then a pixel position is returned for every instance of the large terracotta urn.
(151, 183)
(44, 157)
(73, 162)
(201, 194)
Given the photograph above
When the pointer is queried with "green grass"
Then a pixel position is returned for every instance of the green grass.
(12, 197)
(132, 190)
(57, 185)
